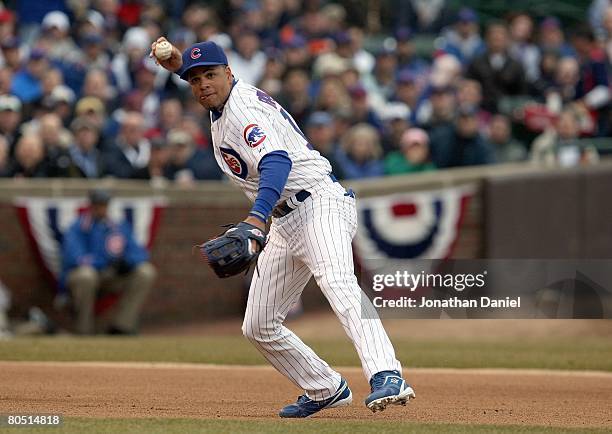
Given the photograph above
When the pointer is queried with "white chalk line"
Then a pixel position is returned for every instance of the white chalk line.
(346, 369)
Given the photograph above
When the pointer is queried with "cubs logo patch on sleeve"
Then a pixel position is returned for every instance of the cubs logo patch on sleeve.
(115, 244)
(254, 135)
(236, 164)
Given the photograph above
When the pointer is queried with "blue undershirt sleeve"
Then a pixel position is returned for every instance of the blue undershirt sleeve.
(273, 171)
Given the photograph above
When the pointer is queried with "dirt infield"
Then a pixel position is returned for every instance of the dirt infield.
(100, 390)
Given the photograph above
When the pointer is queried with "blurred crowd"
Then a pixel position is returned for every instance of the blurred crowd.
(437, 88)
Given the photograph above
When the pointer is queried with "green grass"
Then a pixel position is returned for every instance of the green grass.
(568, 353)
(181, 426)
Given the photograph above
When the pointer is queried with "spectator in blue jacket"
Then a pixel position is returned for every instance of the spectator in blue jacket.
(463, 39)
(102, 255)
(27, 83)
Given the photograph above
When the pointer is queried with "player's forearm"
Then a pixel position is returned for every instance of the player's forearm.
(266, 198)
(274, 170)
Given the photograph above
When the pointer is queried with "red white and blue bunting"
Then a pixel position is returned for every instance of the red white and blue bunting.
(417, 225)
(45, 220)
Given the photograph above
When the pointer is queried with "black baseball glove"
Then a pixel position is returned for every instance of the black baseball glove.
(232, 252)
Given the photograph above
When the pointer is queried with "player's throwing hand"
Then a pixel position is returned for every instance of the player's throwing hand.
(166, 54)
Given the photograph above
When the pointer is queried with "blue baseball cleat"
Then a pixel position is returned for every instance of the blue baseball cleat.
(306, 407)
(388, 387)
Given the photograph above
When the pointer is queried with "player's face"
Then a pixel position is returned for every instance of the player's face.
(211, 85)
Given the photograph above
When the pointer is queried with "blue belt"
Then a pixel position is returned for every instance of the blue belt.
(284, 208)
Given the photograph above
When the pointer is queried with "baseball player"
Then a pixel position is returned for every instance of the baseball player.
(258, 145)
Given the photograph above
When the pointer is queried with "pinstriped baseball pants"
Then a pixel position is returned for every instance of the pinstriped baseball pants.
(313, 240)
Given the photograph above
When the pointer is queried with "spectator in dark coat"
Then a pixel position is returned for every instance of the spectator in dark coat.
(55, 139)
(294, 95)
(424, 16)
(10, 118)
(321, 133)
(188, 163)
(407, 58)
(507, 149)
(462, 145)
(131, 150)
(499, 74)
(439, 108)
(157, 169)
(29, 159)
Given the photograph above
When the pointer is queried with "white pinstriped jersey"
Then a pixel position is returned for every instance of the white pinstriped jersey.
(312, 240)
(252, 125)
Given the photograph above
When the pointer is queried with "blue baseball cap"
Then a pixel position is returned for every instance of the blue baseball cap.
(92, 39)
(37, 54)
(550, 23)
(467, 110)
(296, 41)
(404, 34)
(202, 54)
(406, 77)
(319, 118)
(343, 38)
(467, 15)
(99, 196)
(10, 42)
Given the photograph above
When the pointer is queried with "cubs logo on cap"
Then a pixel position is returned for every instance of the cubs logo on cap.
(202, 54)
(254, 135)
(195, 53)
(236, 164)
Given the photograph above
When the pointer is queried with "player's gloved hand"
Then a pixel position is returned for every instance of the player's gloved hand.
(235, 250)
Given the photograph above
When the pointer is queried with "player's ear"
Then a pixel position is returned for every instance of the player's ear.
(228, 72)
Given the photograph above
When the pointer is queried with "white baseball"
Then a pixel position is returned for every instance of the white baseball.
(163, 50)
